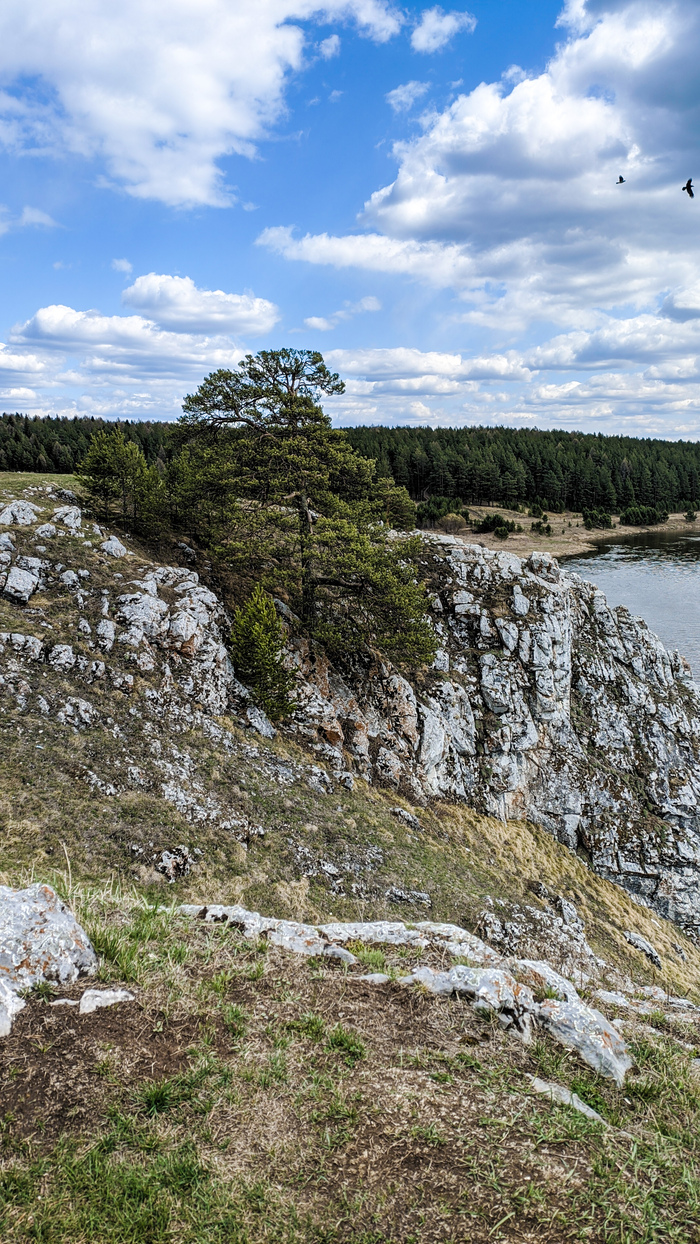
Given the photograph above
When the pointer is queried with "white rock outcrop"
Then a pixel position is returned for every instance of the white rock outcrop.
(549, 706)
(502, 987)
(40, 940)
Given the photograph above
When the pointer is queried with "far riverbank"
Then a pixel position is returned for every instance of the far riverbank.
(569, 537)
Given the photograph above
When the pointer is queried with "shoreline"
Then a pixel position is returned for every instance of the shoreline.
(566, 541)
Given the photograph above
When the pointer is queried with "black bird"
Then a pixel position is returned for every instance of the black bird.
(688, 187)
(620, 181)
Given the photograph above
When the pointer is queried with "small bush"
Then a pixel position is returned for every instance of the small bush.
(496, 523)
(643, 516)
(596, 519)
(690, 516)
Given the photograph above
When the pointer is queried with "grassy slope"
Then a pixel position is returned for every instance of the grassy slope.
(248, 1096)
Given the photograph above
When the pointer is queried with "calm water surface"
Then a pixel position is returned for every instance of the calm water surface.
(657, 576)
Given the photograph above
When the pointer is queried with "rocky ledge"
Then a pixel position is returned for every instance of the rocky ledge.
(544, 704)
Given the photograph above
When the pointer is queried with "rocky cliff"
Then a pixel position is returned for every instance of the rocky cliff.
(543, 703)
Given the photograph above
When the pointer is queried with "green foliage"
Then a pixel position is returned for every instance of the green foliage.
(346, 1043)
(257, 645)
(283, 501)
(118, 481)
(690, 516)
(643, 516)
(542, 527)
(496, 523)
(596, 518)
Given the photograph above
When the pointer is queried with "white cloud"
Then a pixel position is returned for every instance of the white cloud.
(402, 98)
(176, 303)
(330, 47)
(436, 28)
(324, 324)
(122, 265)
(431, 261)
(35, 216)
(158, 92)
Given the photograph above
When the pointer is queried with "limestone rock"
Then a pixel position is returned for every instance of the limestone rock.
(114, 547)
(69, 516)
(93, 999)
(20, 584)
(641, 943)
(585, 1030)
(21, 513)
(40, 940)
(557, 709)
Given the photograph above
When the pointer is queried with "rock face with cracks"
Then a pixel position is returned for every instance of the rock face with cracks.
(544, 704)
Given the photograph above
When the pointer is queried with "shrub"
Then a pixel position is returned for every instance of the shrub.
(643, 516)
(596, 518)
(496, 523)
(257, 644)
(690, 516)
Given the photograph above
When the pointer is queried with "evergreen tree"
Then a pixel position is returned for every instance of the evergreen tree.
(257, 646)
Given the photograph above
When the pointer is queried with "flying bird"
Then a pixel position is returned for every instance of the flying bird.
(620, 181)
(688, 187)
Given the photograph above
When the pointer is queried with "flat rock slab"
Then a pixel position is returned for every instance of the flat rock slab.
(564, 1097)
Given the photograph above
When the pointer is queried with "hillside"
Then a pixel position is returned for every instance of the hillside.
(250, 1094)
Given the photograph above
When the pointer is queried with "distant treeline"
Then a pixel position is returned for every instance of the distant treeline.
(477, 466)
(554, 470)
(34, 444)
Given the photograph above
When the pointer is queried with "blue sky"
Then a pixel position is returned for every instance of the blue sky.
(425, 194)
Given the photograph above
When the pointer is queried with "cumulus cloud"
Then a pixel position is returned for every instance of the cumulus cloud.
(330, 47)
(176, 303)
(122, 265)
(436, 28)
(402, 98)
(158, 92)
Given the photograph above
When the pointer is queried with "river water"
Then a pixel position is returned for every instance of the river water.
(657, 576)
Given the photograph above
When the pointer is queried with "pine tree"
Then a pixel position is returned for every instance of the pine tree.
(257, 644)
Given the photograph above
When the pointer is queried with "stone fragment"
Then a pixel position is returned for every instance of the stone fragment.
(340, 953)
(93, 999)
(40, 939)
(564, 1097)
(20, 584)
(373, 978)
(46, 531)
(585, 1030)
(641, 943)
(114, 547)
(21, 513)
(69, 516)
(10, 1005)
(70, 579)
(174, 864)
(62, 657)
(407, 817)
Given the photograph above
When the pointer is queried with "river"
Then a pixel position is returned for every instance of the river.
(657, 576)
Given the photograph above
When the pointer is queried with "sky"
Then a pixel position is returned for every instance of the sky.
(427, 195)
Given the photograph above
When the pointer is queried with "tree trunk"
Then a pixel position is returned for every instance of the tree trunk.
(308, 585)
